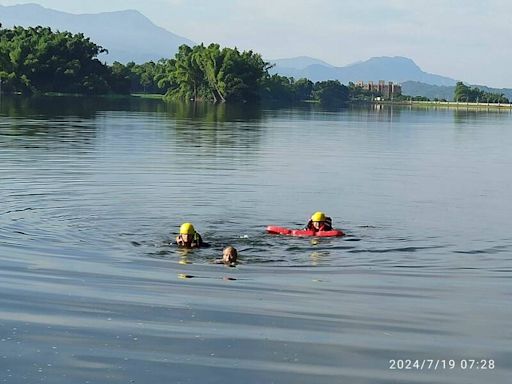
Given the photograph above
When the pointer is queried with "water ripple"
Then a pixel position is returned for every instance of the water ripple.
(94, 191)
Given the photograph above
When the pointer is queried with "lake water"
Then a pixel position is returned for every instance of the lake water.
(92, 191)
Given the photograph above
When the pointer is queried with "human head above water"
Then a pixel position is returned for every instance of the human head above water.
(187, 229)
(229, 255)
(318, 218)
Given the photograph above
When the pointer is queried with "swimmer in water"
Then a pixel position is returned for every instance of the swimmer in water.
(188, 237)
(229, 255)
(319, 222)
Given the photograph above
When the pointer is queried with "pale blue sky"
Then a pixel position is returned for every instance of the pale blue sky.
(463, 39)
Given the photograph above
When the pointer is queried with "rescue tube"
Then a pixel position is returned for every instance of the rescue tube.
(278, 230)
(303, 232)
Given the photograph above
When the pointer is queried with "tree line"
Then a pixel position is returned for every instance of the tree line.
(39, 60)
(463, 93)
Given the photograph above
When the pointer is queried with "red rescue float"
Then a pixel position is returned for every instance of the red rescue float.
(303, 232)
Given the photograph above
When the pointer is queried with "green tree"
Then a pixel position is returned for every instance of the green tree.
(331, 92)
(36, 59)
(302, 89)
(121, 78)
(187, 74)
(467, 94)
(212, 73)
(211, 61)
(277, 88)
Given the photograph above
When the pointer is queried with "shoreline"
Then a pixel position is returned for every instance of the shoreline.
(402, 103)
(445, 104)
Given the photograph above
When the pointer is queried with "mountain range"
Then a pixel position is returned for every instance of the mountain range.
(414, 81)
(397, 69)
(130, 36)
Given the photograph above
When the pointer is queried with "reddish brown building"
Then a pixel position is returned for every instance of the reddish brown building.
(387, 90)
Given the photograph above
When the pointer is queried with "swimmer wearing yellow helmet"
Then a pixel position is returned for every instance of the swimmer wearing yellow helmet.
(188, 237)
(319, 222)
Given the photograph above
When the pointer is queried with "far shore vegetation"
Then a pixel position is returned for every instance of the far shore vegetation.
(37, 60)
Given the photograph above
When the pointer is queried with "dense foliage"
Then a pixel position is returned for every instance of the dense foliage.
(41, 60)
(139, 78)
(215, 74)
(330, 92)
(464, 93)
(38, 59)
(287, 89)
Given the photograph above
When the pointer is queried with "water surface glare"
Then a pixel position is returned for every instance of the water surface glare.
(93, 190)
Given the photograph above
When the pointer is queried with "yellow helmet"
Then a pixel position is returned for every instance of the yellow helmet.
(318, 216)
(187, 229)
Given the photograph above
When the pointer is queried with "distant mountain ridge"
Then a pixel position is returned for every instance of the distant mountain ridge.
(397, 69)
(128, 35)
(416, 88)
(299, 62)
(414, 81)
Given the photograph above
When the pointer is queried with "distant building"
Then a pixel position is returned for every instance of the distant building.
(387, 90)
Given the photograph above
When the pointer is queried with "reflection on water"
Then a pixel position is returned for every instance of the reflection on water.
(48, 107)
(94, 190)
(469, 116)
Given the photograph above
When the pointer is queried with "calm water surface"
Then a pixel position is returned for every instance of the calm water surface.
(92, 191)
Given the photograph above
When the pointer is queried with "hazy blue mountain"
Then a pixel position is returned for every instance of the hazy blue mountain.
(128, 35)
(397, 69)
(299, 62)
(414, 88)
(414, 81)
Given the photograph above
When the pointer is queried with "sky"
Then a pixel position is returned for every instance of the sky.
(467, 40)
